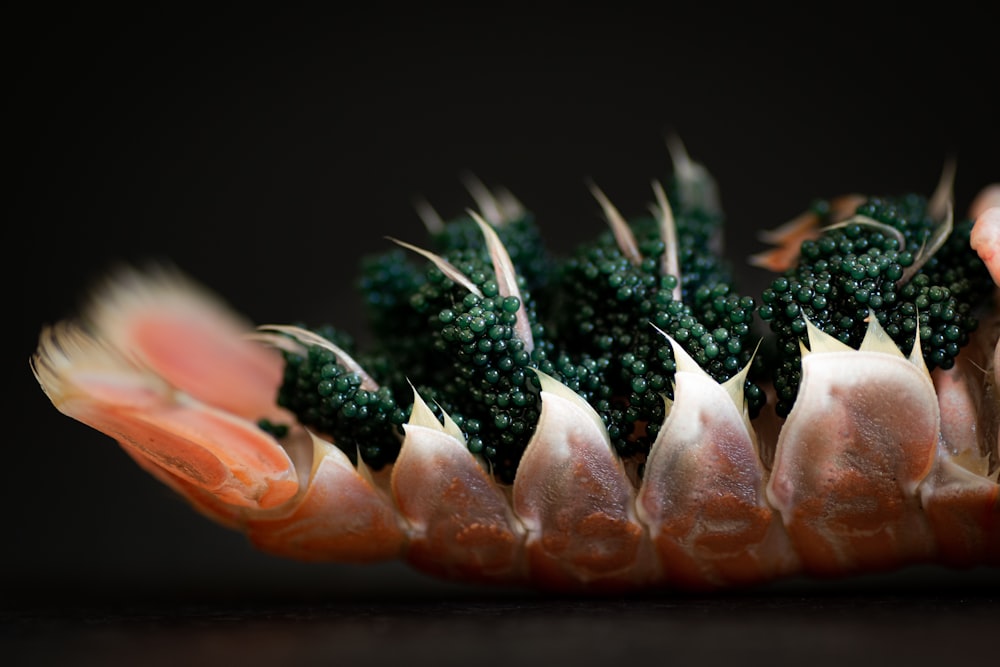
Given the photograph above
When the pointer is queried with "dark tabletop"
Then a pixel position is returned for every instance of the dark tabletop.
(389, 616)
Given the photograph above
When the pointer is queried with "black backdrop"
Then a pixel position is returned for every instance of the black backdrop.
(263, 153)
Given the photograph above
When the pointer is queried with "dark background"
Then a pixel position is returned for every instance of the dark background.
(263, 153)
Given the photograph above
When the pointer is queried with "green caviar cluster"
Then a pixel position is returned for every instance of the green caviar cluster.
(597, 319)
(330, 399)
(457, 348)
(699, 239)
(857, 269)
(476, 369)
(594, 328)
(390, 284)
(611, 307)
(521, 238)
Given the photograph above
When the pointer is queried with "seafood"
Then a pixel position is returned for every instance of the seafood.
(610, 421)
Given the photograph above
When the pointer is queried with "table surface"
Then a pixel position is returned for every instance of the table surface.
(920, 616)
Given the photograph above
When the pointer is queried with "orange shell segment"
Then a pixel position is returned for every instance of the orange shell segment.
(576, 501)
(702, 494)
(461, 523)
(208, 448)
(859, 440)
(340, 516)
(190, 339)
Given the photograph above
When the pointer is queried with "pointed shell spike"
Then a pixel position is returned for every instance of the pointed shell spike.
(683, 360)
(859, 219)
(506, 277)
(553, 386)
(931, 246)
(820, 341)
(877, 340)
(671, 265)
(306, 337)
(698, 186)
(943, 197)
(421, 414)
(686, 364)
(430, 217)
(486, 201)
(450, 427)
(619, 227)
(443, 265)
(276, 341)
(510, 206)
(734, 386)
(916, 356)
(683, 164)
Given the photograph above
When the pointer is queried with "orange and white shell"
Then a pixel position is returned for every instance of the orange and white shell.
(879, 465)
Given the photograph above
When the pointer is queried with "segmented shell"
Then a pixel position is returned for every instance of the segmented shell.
(880, 464)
